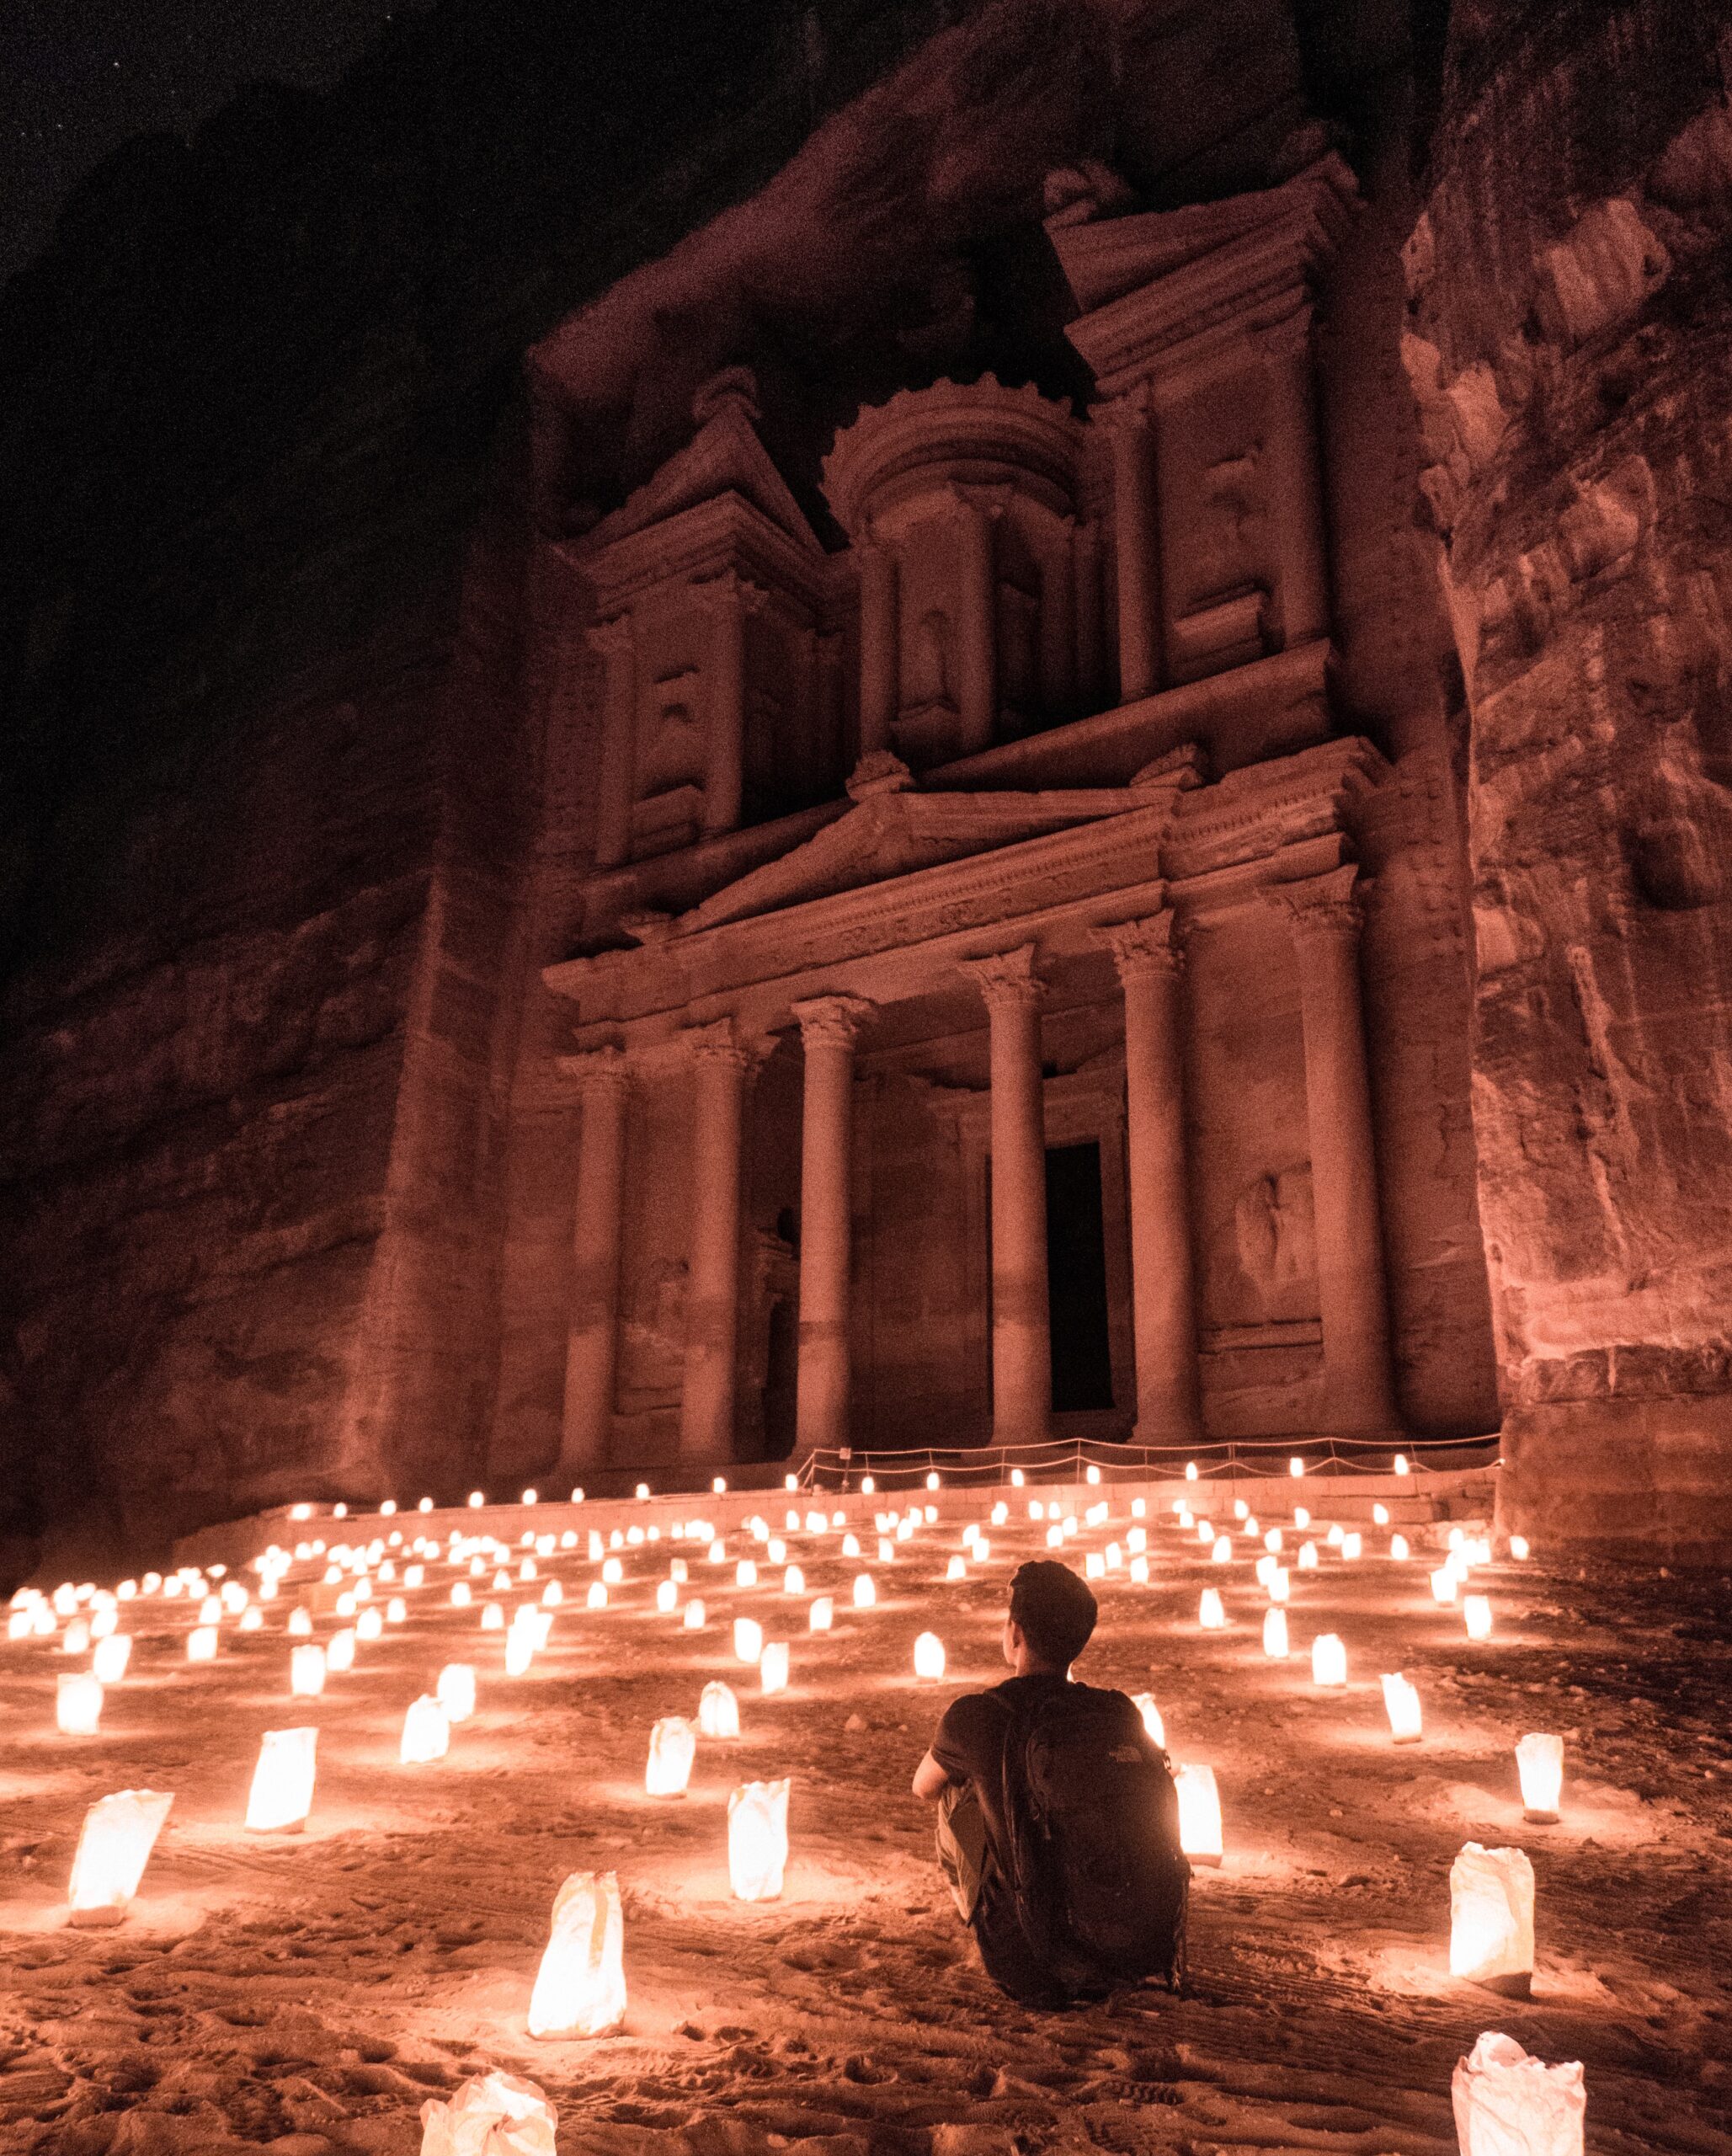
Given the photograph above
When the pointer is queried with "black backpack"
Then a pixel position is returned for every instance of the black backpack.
(1101, 1881)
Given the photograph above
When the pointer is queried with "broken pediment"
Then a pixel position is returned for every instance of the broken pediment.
(724, 458)
(889, 835)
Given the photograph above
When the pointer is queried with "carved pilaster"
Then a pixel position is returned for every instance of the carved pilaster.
(829, 1027)
(617, 640)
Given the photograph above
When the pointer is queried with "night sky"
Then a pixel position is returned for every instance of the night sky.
(79, 77)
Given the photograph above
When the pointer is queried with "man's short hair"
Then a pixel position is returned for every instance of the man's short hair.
(1054, 1609)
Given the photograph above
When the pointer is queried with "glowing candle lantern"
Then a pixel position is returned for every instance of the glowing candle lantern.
(306, 1671)
(519, 1651)
(1491, 1919)
(19, 1623)
(929, 1657)
(745, 1573)
(748, 1639)
(1275, 1643)
(1210, 1615)
(580, 1987)
(108, 1665)
(1401, 1703)
(673, 1746)
(1329, 1661)
(201, 1643)
(77, 1705)
(1476, 1613)
(396, 1612)
(1380, 1515)
(850, 1545)
(1308, 1556)
(718, 1711)
(1296, 1467)
(887, 1550)
(613, 1571)
(77, 1637)
(114, 1845)
(1279, 1584)
(821, 1616)
(1507, 2104)
(1267, 1569)
(1221, 1552)
(1399, 1551)
(1401, 1466)
(427, 1733)
(1352, 1548)
(1190, 1471)
(1055, 1538)
(1444, 1583)
(865, 1592)
(369, 1624)
(455, 1691)
(1518, 1550)
(956, 1570)
(793, 1581)
(1139, 1570)
(1539, 1761)
(667, 1597)
(717, 1553)
(346, 1605)
(210, 1610)
(1144, 1704)
(1273, 1541)
(773, 1665)
(1334, 1537)
(1095, 1565)
(493, 1618)
(694, 1616)
(460, 1596)
(1199, 1813)
(281, 1795)
(1001, 1513)
(339, 1653)
(758, 1840)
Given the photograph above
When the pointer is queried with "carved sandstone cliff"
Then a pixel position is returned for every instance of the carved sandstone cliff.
(1569, 325)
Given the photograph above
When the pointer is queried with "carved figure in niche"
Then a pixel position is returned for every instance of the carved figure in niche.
(931, 670)
(652, 1330)
(1275, 1237)
(675, 755)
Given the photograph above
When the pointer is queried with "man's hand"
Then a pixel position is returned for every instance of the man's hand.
(930, 1778)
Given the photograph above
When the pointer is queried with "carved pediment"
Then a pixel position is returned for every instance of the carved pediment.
(894, 834)
(723, 458)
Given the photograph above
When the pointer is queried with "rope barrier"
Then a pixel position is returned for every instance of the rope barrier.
(1061, 1459)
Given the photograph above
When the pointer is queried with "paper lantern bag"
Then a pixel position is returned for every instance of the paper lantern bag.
(1491, 1918)
(580, 1988)
(1507, 2104)
(493, 2115)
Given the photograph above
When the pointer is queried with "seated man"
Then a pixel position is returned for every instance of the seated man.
(1058, 1825)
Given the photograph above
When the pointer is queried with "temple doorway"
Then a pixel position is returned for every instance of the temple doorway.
(1076, 1279)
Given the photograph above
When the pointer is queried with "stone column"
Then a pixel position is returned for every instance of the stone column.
(1163, 1290)
(829, 1027)
(721, 1067)
(1058, 621)
(977, 639)
(1021, 1339)
(604, 1081)
(1294, 478)
(1323, 914)
(617, 643)
(880, 651)
(1138, 542)
(1087, 606)
(728, 597)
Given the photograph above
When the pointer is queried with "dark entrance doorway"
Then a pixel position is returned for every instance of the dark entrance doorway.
(1076, 1279)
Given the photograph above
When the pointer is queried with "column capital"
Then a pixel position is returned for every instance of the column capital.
(832, 1020)
(1008, 980)
(729, 591)
(614, 636)
(1319, 906)
(1142, 950)
(597, 1070)
(1125, 414)
(1289, 337)
(722, 1044)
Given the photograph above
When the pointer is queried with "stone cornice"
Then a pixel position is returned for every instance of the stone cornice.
(1208, 277)
(1277, 822)
(977, 433)
(701, 542)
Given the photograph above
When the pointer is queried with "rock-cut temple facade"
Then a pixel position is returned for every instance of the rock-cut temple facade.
(1009, 995)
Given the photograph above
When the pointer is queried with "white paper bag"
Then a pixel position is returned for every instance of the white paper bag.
(1507, 2104)
(493, 2115)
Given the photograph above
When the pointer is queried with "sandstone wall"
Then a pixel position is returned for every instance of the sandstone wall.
(1568, 347)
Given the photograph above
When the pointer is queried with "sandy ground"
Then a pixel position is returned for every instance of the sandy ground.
(306, 1995)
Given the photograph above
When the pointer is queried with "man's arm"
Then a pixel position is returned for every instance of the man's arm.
(930, 1779)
